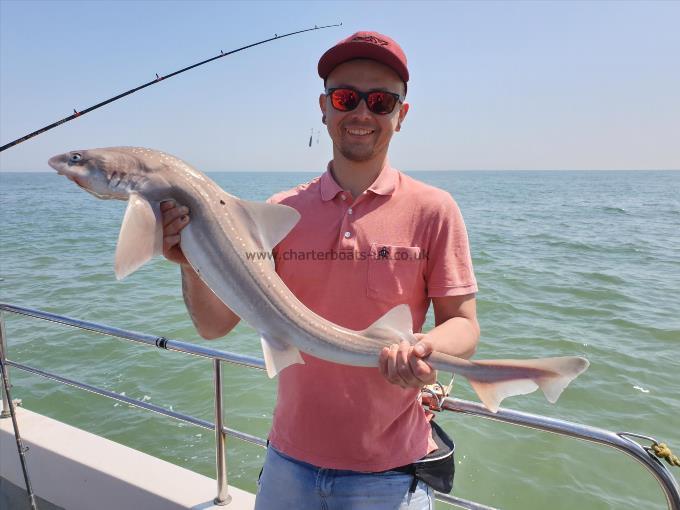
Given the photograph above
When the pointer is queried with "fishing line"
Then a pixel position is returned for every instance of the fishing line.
(158, 79)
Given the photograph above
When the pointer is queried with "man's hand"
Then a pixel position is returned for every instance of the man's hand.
(175, 218)
(401, 364)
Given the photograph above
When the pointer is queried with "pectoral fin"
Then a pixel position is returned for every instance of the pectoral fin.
(140, 238)
(278, 356)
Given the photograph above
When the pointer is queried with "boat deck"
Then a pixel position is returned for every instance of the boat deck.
(75, 470)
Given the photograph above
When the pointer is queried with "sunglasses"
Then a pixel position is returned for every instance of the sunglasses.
(346, 99)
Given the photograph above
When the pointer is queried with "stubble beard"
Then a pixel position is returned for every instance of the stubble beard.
(357, 154)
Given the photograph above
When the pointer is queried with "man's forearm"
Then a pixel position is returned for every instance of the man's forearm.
(458, 336)
(211, 317)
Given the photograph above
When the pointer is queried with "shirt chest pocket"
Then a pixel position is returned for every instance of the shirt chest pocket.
(394, 272)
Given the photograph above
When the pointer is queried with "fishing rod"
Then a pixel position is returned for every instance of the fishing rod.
(158, 79)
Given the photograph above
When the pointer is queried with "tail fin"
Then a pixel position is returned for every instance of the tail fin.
(568, 369)
(519, 377)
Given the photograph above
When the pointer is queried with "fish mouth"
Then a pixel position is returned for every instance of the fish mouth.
(70, 176)
(75, 179)
(57, 164)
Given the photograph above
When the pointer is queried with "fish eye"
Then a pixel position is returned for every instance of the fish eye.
(75, 157)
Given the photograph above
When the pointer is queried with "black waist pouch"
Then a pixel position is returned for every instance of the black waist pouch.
(436, 469)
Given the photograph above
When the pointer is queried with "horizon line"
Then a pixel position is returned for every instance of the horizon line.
(408, 171)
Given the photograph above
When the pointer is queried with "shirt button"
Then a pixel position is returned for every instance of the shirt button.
(343, 197)
(348, 235)
(349, 211)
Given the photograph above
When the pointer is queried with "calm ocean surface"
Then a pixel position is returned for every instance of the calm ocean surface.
(583, 263)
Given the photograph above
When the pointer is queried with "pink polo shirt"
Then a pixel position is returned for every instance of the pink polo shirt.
(351, 261)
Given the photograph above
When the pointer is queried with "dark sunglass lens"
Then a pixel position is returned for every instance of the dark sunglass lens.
(344, 100)
(381, 102)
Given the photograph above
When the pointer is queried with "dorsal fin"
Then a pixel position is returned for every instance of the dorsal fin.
(273, 221)
(140, 238)
(395, 325)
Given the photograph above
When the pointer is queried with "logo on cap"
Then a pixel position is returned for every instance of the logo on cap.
(370, 39)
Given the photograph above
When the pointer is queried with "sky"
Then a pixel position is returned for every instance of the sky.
(507, 85)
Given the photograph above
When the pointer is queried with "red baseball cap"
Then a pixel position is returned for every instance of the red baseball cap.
(371, 45)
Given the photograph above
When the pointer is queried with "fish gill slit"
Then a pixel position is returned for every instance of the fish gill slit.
(114, 179)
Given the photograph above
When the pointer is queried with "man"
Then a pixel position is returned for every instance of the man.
(369, 238)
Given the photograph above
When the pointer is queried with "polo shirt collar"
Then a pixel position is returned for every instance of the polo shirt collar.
(329, 187)
(385, 184)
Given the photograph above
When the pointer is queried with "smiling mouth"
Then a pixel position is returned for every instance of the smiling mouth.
(359, 131)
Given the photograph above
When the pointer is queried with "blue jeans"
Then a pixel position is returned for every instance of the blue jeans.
(289, 484)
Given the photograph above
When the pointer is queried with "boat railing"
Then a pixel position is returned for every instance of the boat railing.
(621, 441)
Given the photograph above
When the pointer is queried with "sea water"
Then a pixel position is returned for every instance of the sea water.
(568, 263)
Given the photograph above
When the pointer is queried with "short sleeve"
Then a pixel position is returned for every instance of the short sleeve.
(449, 263)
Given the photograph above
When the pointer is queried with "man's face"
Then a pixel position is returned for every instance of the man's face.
(361, 135)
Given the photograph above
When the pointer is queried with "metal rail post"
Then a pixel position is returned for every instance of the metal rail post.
(620, 441)
(596, 435)
(3, 349)
(223, 497)
(7, 397)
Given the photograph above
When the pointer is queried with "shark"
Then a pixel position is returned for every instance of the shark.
(224, 229)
